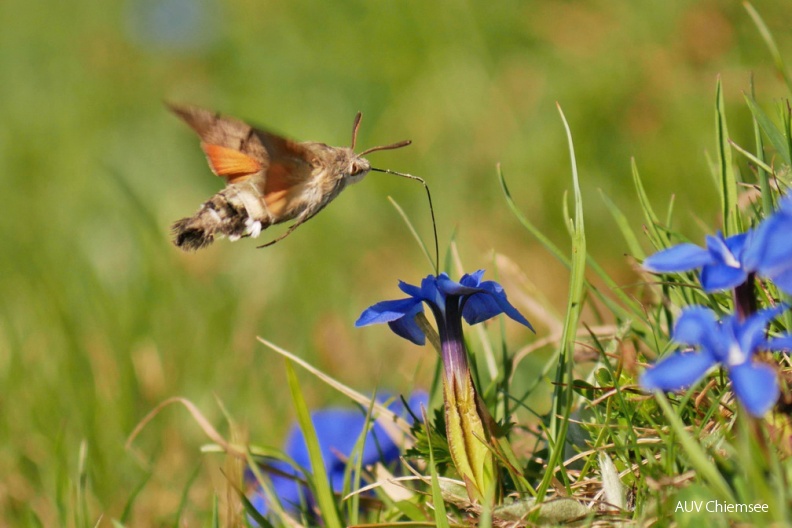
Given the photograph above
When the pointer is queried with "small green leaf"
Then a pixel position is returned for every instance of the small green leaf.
(556, 511)
(611, 483)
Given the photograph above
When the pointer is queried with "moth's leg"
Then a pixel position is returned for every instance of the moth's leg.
(297, 223)
(288, 232)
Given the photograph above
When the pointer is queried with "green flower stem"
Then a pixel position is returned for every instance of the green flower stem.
(465, 426)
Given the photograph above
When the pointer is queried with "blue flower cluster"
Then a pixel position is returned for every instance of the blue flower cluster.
(729, 342)
(337, 430)
(475, 299)
(727, 262)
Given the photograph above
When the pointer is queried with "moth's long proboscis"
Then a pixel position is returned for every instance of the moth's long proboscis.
(431, 209)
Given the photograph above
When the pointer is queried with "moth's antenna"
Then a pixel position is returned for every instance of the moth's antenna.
(428, 195)
(355, 127)
(392, 146)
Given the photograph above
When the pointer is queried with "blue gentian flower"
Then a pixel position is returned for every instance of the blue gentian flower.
(474, 300)
(769, 249)
(730, 343)
(721, 262)
(337, 430)
(467, 422)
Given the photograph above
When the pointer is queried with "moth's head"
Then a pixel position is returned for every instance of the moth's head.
(358, 165)
(358, 168)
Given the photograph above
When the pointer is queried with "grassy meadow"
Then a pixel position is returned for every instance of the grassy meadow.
(102, 318)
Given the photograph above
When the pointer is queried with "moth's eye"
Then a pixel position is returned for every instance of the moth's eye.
(355, 168)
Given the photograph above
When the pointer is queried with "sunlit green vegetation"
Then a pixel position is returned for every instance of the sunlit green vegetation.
(101, 318)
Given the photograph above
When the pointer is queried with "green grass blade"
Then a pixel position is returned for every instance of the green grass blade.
(564, 392)
(354, 468)
(636, 312)
(273, 501)
(414, 232)
(698, 457)
(527, 224)
(657, 236)
(440, 515)
(81, 509)
(320, 481)
(762, 173)
(124, 519)
(215, 512)
(786, 118)
(390, 421)
(624, 226)
(772, 132)
(670, 213)
(771, 45)
(761, 165)
(727, 178)
(185, 495)
(254, 513)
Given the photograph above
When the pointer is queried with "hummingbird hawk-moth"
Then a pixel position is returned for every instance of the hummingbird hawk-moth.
(269, 179)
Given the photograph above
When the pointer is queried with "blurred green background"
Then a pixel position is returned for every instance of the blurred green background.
(101, 318)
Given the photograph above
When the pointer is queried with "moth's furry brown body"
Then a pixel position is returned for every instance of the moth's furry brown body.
(269, 179)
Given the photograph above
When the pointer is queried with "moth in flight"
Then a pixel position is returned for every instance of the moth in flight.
(269, 179)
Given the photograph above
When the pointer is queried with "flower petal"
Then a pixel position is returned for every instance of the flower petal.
(381, 446)
(493, 301)
(768, 250)
(696, 326)
(719, 277)
(751, 333)
(409, 289)
(720, 251)
(472, 279)
(418, 399)
(784, 281)
(683, 257)
(337, 430)
(285, 488)
(736, 244)
(430, 293)
(785, 204)
(386, 311)
(259, 502)
(448, 287)
(677, 371)
(407, 328)
(480, 307)
(778, 344)
(400, 316)
(756, 386)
